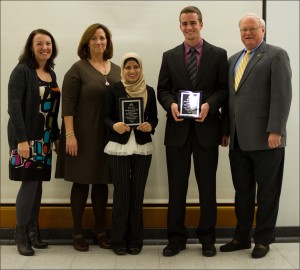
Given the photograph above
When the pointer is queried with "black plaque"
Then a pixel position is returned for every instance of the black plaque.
(131, 111)
(189, 103)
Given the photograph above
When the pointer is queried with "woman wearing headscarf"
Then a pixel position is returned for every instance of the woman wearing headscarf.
(129, 153)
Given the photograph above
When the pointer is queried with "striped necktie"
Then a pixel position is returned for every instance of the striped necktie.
(192, 66)
(241, 69)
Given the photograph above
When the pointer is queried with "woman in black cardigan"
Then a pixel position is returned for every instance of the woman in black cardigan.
(33, 105)
(129, 153)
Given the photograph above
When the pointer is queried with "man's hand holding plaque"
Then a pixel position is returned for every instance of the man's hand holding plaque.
(203, 112)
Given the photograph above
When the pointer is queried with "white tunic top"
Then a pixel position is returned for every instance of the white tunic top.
(130, 148)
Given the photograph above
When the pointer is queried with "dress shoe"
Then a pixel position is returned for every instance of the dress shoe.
(173, 249)
(120, 251)
(79, 242)
(260, 251)
(134, 250)
(35, 236)
(235, 245)
(101, 240)
(209, 250)
(22, 241)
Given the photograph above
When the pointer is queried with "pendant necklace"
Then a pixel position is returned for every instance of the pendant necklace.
(104, 75)
(106, 81)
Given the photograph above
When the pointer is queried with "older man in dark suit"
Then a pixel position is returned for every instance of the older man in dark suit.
(200, 136)
(259, 105)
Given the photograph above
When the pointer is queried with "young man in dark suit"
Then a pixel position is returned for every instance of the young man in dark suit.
(258, 109)
(200, 136)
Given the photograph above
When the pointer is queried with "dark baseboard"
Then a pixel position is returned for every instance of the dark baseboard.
(151, 236)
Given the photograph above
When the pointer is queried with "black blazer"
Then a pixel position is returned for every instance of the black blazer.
(212, 79)
(112, 114)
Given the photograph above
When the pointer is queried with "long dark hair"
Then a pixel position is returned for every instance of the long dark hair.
(28, 57)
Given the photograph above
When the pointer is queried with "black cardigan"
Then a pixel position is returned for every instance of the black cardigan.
(112, 115)
(23, 106)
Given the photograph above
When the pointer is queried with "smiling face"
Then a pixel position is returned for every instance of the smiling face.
(132, 71)
(190, 26)
(41, 48)
(252, 32)
(98, 42)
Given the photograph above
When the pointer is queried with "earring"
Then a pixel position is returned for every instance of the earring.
(32, 54)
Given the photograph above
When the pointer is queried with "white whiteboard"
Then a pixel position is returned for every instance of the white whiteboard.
(146, 27)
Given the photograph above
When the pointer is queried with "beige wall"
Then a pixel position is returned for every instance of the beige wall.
(148, 28)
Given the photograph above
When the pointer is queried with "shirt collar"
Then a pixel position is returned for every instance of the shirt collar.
(252, 51)
(198, 47)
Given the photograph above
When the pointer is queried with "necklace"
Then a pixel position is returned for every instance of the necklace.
(104, 75)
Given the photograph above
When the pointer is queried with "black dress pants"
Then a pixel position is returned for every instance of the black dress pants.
(205, 166)
(262, 170)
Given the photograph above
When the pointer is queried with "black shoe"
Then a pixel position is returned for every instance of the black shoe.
(235, 245)
(134, 250)
(101, 240)
(260, 251)
(22, 240)
(209, 250)
(35, 236)
(120, 251)
(79, 242)
(173, 249)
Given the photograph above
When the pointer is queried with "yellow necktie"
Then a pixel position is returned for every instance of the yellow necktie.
(241, 69)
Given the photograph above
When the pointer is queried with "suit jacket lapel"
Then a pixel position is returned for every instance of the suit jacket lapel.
(203, 68)
(204, 63)
(259, 53)
(179, 58)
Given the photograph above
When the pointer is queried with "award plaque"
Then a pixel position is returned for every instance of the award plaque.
(189, 103)
(131, 111)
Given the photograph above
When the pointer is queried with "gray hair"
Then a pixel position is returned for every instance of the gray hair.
(260, 20)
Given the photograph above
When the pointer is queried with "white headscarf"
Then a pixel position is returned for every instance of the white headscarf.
(138, 88)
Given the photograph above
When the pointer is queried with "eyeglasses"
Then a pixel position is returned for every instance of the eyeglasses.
(250, 30)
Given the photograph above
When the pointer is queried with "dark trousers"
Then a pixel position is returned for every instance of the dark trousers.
(264, 168)
(129, 174)
(205, 166)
